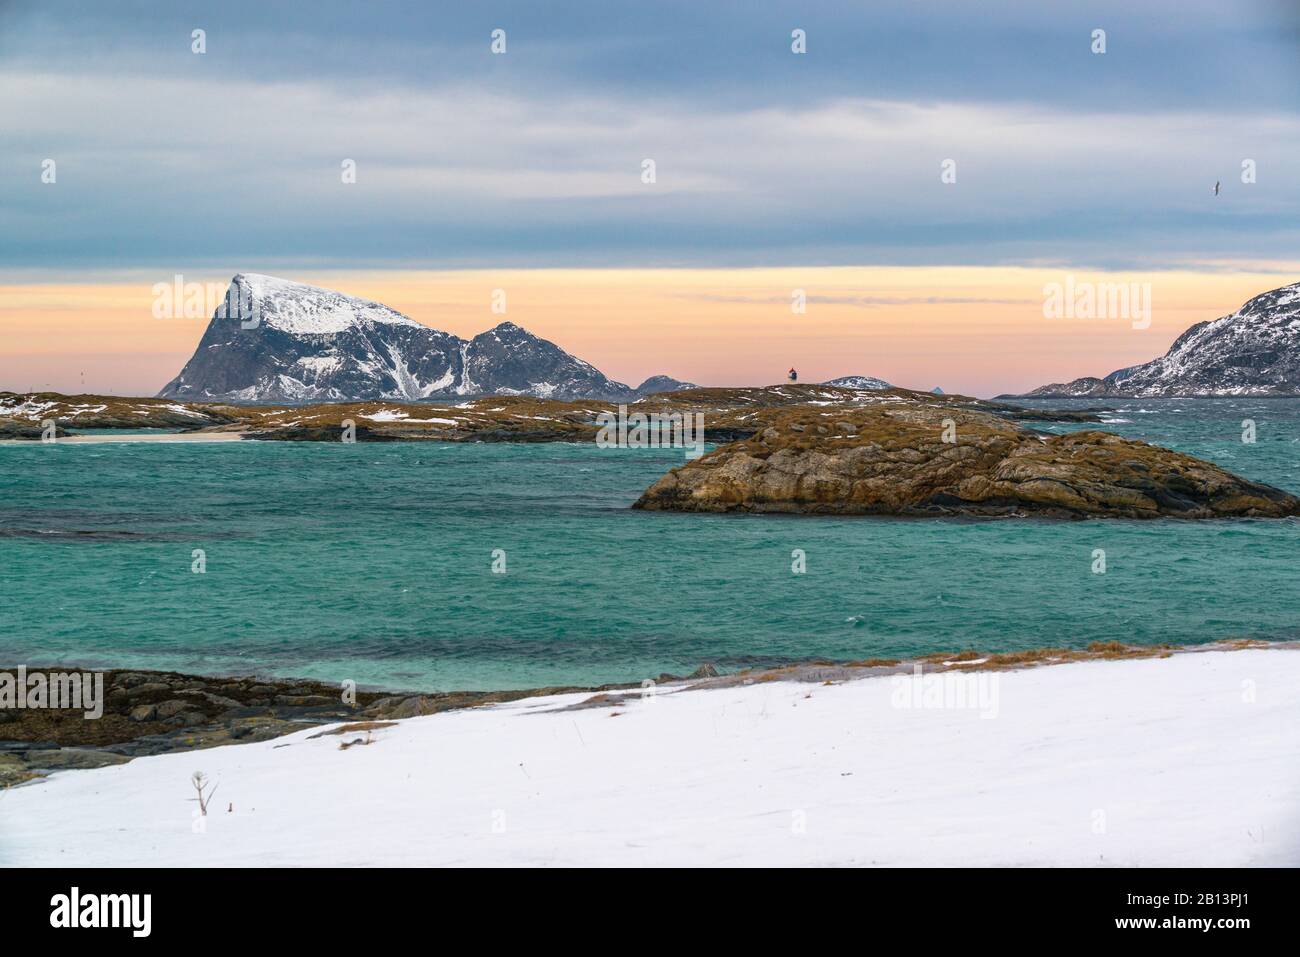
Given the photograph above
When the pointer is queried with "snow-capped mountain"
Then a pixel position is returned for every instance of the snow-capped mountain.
(859, 382)
(508, 360)
(278, 341)
(1254, 351)
(1084, 387)
(663, 383)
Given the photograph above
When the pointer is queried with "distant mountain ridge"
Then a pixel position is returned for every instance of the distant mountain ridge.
(859, 382)
(274, 340)
(1255, 351)
(663, 383)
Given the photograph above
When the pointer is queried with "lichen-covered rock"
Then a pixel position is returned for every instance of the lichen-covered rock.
(916, 459)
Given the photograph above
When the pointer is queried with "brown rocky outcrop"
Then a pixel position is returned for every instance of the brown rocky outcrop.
(907, 458)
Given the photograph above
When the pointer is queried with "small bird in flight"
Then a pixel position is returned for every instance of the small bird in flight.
(1216, 187)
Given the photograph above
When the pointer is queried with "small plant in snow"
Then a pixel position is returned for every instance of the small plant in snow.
(200, 783)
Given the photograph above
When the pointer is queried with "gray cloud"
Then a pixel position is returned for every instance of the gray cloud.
(534, 158)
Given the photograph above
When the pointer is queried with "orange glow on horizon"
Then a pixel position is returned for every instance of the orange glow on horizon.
(975, 330)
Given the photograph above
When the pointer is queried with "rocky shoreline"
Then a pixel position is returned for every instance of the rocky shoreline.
(731, 414)
(160, 712)
(799, 449)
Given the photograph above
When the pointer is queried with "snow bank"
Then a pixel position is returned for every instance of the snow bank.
(1189, 760)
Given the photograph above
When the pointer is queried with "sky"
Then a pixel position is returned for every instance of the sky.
(774, 171)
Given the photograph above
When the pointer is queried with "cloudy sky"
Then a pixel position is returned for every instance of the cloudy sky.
(471, 163)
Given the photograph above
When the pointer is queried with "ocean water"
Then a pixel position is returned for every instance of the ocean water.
(373, 562)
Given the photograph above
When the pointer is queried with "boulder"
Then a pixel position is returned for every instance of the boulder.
(143, 712)
(169, 709)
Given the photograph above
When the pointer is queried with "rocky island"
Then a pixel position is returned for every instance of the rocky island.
(814, 449)
(919, 458)
(339, 367)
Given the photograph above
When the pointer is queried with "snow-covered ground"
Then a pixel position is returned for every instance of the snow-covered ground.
(1189, 760)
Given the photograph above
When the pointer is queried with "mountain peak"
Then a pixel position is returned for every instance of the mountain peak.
(663, 383)
(302, 309)
(859, 382)
(314, 344)
(1253, 351)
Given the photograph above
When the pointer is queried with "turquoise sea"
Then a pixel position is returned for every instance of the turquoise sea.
(373, 562)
